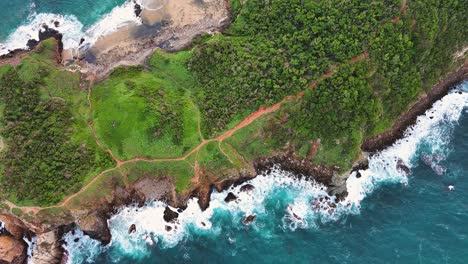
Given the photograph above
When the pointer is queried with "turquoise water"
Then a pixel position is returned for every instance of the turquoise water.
(88, 19)
(389, 217)
(16, 12)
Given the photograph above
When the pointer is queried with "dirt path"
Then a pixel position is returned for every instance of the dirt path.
(403, 6)
(247, 121)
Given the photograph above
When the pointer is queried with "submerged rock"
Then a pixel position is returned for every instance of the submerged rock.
(132, 229)
(230, 197)
(247, 188)
(402, 167)
(169, 215)
(249, 219)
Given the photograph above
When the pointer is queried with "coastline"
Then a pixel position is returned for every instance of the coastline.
(387, 138)
(97, 221)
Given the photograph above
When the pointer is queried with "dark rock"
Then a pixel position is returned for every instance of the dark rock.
(168, 228)
(169, 215)
(358, 174)
(47, 33)
(76, 240)
(247, 188)
(137, 9)
(82, 40)
(341, 196)
(230, 197)
(56, 23)
(32, 43)
(402, 167)
(299, 167)
(248, 219)
(132, 229)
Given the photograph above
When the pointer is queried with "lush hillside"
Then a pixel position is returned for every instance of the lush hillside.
(330, 73)
(49, 149)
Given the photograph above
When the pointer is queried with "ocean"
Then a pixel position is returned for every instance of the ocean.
(88, 19)
(388, 216)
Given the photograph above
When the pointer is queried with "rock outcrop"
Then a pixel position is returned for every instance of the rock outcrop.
(95, 226)
(12, 250)
(48, 248)
(408, 118)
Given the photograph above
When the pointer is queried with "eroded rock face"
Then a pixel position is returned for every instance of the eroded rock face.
(48, 249)
(95, 226)
(13, 226)
(12, 250)
(169, 215)
(247, 188)
(230, 197)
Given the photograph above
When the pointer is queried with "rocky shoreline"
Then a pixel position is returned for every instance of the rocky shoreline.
(407, 119)
(49, 244)
(93, 221)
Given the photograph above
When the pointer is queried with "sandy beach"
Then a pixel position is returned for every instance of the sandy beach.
(170, 25)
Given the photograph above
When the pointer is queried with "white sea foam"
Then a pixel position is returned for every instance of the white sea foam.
(430, 127)
(307, 204)
(72, 29)
(31, 245)
(80, 247)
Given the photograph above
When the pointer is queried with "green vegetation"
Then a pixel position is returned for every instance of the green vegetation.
(336, 111)
(274, 48)
(48, 152)
(180, 171)
(101, 190)
(147, 113)
(379, 60)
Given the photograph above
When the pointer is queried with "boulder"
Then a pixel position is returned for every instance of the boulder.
(249, 219)
(137, 8)
(169, 215)
(95, 226)
(230, 197)
(402, 167)
(48, 249)
(13, 226)
(132, 229)
(12, 250)
(247, 188)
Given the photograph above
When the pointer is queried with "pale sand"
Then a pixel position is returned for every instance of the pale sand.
(167, 24)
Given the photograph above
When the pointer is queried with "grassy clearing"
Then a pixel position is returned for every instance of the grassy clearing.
(180, 171)
(102, 189)
(65, 154)
(255, 140)
(140, 113)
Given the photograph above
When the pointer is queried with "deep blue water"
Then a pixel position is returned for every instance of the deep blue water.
(413, 219)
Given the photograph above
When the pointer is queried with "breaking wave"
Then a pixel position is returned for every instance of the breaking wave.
(71, 28)
(296, 203)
